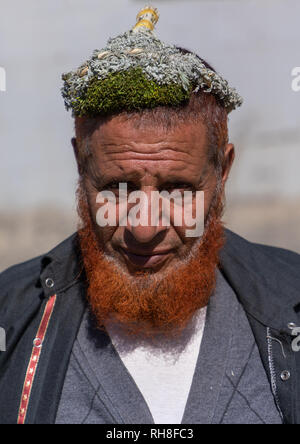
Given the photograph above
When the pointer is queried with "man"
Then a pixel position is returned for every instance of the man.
(147, 322)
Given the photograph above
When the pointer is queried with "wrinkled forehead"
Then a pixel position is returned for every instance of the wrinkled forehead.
(122, 134)
(123, 145)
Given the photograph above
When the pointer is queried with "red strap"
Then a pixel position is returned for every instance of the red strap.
(34, 359)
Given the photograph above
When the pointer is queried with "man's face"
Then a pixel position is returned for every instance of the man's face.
(149, 279)
(149, 158)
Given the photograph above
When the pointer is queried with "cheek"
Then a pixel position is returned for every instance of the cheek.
(197, 210)
(209, 193)
(104, 234)
(208, 197)
(93, 206)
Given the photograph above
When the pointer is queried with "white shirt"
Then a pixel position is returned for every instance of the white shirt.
(163, 374)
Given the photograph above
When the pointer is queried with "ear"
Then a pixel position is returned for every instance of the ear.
(76, 153)
(228, 161)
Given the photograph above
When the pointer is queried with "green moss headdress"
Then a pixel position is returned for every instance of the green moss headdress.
(136, 70)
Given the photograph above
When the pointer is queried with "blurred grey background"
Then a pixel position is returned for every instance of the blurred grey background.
(252, 43)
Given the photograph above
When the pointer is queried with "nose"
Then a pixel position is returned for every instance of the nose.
(150, 227)
(144, 234)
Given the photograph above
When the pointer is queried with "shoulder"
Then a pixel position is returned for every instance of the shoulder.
(268, 263)
(265, 279)
(279, 254)
(20, 272)
(257, 251)
(20, 285)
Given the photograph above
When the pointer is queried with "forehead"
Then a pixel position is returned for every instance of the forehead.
(122, 146)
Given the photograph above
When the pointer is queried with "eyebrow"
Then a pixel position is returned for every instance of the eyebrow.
(102, 181)
(179, 179)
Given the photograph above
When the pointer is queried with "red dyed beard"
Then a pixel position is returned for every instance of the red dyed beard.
(147, 304)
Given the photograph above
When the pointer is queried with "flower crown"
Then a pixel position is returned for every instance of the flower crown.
(136, 70)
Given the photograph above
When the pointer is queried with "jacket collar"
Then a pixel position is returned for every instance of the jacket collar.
(63, 265)
(265, 279)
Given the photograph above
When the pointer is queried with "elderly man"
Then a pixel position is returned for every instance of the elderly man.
(138, 319)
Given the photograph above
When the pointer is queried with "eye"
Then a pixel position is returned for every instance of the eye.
(131, 186)
(181, 186)
(111, 186)
(115, 186)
